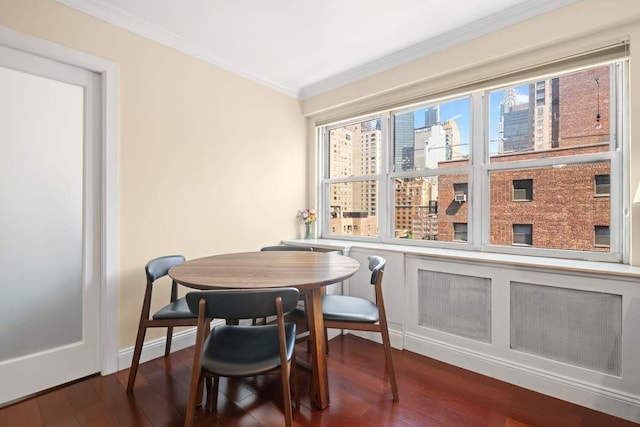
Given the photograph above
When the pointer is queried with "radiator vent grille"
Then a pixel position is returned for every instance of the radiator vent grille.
(578, 327)
(456, 304)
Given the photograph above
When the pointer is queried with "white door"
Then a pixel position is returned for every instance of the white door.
(49, 223)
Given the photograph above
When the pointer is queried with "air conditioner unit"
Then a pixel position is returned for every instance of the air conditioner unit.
(460, 198)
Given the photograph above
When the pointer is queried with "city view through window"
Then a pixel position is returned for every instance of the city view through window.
(548, 158)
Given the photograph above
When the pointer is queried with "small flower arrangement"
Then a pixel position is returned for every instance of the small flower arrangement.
(307, 215)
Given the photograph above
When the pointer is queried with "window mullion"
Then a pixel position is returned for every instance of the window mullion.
(384, 192)
(479, 186)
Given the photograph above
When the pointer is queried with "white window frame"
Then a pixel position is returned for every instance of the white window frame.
(480, 167)
(325, 182)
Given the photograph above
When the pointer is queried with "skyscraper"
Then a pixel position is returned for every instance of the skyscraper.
(403, 142)
(432, 116)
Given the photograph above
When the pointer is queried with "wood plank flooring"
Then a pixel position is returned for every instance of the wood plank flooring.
(431, 394)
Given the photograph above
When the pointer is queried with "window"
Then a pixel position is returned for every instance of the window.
(523, 189)
(523, 234)
(602, 238)
(353, 208)
(430, 158)
(460, 231)
(602, 184)
(432, 162)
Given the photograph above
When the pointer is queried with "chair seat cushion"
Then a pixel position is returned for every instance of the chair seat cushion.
(344, 308)
(178, 309)
(244, 351)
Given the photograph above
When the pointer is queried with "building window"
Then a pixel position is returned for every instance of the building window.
(523, 234)
(602, 184)
(431, 158)
(601, 236)
(460, 231)
(523, 189)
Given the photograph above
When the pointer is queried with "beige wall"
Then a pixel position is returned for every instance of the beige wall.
(577, 28)
(187, 128)
(209, 162)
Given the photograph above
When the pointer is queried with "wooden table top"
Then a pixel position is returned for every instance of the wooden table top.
(269, 269)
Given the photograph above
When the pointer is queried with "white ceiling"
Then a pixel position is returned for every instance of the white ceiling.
(304, 47)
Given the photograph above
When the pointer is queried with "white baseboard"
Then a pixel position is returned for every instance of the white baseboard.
(396, 338)
(181, 340)
(594, 396)
(155, 348)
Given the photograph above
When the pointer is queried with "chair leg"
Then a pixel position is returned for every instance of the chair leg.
(213, 398)
(207, 385)
(137, 352)
(386, 343)
(326, 341)
(294, 379)
(286, 394)
(200, 391)
(196, 381)
(167, 347)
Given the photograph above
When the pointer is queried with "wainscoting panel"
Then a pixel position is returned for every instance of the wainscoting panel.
(578, 327)
(456, 304)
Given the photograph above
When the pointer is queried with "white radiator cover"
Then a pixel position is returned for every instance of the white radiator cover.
(456, 304)
(574, 326)
(570, 335)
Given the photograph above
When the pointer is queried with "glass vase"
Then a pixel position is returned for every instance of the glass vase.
(307, 231)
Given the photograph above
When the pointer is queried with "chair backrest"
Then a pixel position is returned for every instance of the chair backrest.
(243, 304)
(159, 267)
(287, 248)
(376, 266)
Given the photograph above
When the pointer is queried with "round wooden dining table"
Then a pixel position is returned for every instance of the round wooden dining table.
(309, 272)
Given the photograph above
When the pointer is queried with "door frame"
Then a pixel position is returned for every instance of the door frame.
(109, 85)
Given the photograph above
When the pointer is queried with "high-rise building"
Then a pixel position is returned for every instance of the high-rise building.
(432, 116)
(354, 151)
(452, 139)
(416, 213)
(404, 125)
(341, 165)
(430, 146)
(516, 129)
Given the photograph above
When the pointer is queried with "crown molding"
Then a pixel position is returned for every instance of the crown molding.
(519, 13)
(120, 18)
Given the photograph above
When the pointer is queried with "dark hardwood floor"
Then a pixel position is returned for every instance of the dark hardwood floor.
(431, 394)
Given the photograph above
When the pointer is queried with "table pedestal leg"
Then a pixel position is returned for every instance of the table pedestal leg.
(320, 383)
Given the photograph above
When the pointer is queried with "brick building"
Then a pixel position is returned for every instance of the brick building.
(559, 207)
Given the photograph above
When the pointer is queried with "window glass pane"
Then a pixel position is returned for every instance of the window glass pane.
(460, 231)
(522, 234)
(432, 137)
(523, 189)
(563, 212)
(354, 150)
(602, 235)
(603, 184)
(426, 208)
(560, 116)
(353, 208)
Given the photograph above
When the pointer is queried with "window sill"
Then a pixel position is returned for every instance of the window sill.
(559, 264)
